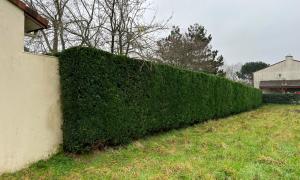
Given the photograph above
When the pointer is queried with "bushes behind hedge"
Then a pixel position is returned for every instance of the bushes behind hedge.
(110, 100)
(281, 98)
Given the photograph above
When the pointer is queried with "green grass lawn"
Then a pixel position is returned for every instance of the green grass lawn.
(261, 144)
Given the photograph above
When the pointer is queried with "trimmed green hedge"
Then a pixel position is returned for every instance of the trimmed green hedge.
(110, 100)
(281, 98)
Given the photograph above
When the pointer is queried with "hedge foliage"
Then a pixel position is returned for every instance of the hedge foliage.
(110, 100)
(281, 98)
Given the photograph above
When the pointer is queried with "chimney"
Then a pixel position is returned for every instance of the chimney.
(289, 57)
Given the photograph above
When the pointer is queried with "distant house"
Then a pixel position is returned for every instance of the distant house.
(282, 77)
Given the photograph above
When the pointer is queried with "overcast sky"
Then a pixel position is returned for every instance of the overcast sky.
(242, 30)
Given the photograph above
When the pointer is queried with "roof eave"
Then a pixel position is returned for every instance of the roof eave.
(38, 19)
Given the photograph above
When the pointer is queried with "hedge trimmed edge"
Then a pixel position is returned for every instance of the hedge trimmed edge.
(111, 100)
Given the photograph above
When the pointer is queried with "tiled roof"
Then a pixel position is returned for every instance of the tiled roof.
(41, 21)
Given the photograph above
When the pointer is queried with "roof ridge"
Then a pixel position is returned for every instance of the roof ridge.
(276, 64)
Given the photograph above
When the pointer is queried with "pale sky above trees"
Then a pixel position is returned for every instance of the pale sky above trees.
(242, 30)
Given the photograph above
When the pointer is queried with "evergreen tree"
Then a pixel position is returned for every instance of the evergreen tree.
(249, 68)
(191, 50)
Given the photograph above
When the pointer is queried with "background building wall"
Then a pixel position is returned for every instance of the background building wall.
(286, 70)
(30, 114)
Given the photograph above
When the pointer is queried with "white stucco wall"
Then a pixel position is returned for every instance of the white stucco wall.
(30, 113)
(11, 27)
(289, 70)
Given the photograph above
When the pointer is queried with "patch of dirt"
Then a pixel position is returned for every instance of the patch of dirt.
(297, 111)
(270, 160)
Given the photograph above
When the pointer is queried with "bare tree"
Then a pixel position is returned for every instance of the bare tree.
(53, 39)
(129, 34)
(85, 23)
(115, 25)
(231, 71)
